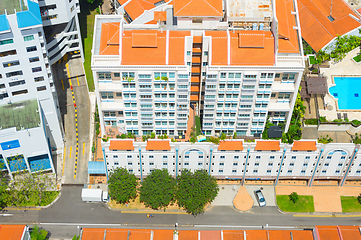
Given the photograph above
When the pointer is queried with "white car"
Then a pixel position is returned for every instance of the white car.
(260, 198)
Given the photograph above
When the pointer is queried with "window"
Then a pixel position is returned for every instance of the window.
(36, 69)
(39, 79)
(34, 59)
(129, 156)
(28, 38)
(16, 83)
(41, 88)
(343, 157)
(289, 171)
(235, 164)
(19, 92)
(270, 164)
(31, 49)
(165, 157)
(258, 157)
(7, 41)
(236, 157)
(303, 171)
(268, 171)
(305, 164)
(10, 64)
(222, 157)
(255, 171)
(340, 164)
(256, 164)
(13, 74)
(329, 157)
(186, 164)
(165, 164)
(221, 164)
(324, 171)
(293, 157)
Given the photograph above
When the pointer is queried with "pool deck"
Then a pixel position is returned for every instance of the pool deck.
(347, 67)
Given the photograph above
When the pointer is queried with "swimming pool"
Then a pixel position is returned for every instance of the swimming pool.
(348, 92)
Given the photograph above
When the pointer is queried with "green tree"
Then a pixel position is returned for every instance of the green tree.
(122, 185)
(195, 190)
(76, 237)
(38, 234)
(359, 198)
(293, 197)
(158, 189)
(223, 137)
(152, 135)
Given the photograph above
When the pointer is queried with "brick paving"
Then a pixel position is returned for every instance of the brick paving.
(243, 201)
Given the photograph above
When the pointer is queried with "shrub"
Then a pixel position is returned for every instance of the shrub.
(359, 198)
(356, 122)
(294, 197)
(325, 140)
(311, 121)
(323, 119)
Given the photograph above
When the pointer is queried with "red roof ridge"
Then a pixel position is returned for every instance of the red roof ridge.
(205, 1)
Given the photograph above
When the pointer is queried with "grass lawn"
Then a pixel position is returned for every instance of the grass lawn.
(350, 204)
(86, 22)
(198, 126)
(47, 198)
(357, 58)
(312, 60)
(304, 204)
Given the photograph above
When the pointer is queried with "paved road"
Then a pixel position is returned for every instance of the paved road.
(69, 212)
(81, 98)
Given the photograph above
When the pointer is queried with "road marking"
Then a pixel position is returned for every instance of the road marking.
(146, 212)
(62, 174)
(325, 216)
(70, 152)
(62, 83)
(77, 79)
(6, 215)
(83, 148)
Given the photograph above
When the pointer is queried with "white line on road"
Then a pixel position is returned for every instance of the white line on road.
(6, 215)
(81, 224)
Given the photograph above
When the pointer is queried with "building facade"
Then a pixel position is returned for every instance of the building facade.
(234, 70)
(238, 160)
(30, 124)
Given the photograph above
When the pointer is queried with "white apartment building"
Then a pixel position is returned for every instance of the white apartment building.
(238, 160)
(235, 61)
(30, 125)
(61, 28)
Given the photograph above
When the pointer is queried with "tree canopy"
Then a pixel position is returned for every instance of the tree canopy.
(195, 190)
(122, 185)
(158, 189)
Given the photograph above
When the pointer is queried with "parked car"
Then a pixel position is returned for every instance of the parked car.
(260, 198)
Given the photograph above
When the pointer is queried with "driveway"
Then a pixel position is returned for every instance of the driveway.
(226, 195)
(268, 193)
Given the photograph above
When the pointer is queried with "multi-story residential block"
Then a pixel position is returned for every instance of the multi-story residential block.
(61, 28)
(236, 159)
(30, 125)
(235, 63)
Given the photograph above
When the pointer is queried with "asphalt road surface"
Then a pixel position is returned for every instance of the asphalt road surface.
(63, 218)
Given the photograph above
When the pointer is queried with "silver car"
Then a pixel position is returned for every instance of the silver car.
(260, 198)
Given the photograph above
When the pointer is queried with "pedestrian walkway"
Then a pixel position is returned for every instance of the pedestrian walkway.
(243, 201)
(226, 195)
(326, 199)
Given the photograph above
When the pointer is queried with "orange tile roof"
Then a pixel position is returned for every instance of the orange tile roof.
(219, 47)
(210, 235)
(279, 235)
(350, 232)
(144, 39)
(109, 40)
(135, 234)
(154, 55)
(121, 145)
(327, 233)
(256, 234)
(115, 234)
(196, 69)
(304, 146)
(196, 60)
(287, 36)
(135, 8)
(267, 145)
(194, 98)
(187, 235)
(158, 145)
(230, 145)
(246, 47)
(11, 232)
(176, 47)
(160, 16)
(302, 235)
(198, 8)
(317, 29)
(233, 235)
(252, 52)
(197, 39)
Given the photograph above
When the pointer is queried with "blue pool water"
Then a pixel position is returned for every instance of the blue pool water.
(348, 92)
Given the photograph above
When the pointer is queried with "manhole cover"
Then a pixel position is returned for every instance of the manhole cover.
(329, 107)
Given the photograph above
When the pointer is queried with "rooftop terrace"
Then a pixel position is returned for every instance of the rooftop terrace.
(22, 115)
(11, 6)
